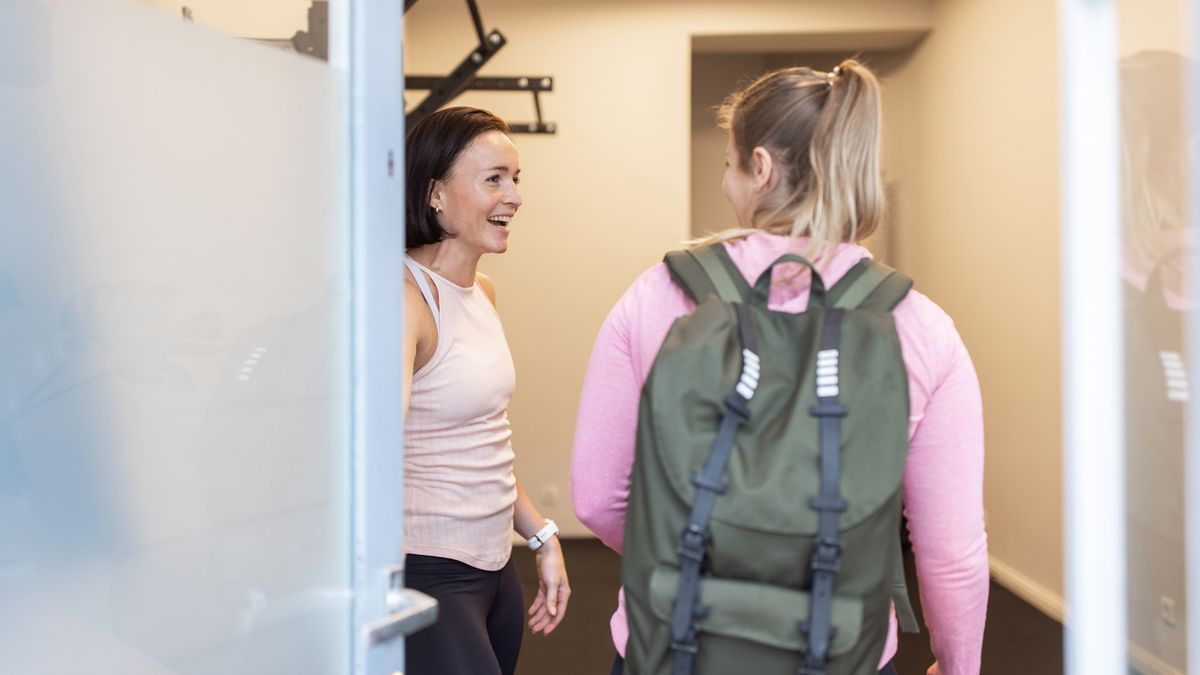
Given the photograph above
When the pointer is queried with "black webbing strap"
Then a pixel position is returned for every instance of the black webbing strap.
(687, 610)
(827, 553)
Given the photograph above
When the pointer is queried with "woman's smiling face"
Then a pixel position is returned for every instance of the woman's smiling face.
(479, 197)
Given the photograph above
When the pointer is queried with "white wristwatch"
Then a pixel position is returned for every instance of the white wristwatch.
(543, 535)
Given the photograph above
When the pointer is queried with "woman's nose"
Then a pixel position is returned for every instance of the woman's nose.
(514, 196)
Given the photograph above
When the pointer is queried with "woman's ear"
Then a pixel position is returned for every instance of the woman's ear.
(762, 167)
(435, 196)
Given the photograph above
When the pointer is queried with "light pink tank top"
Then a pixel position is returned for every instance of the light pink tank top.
(459, 487)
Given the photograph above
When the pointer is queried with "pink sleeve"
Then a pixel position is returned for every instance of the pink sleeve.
(602, 459)
(943, 493)
(606, 430)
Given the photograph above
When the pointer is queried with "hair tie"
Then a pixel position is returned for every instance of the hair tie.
(829, 77)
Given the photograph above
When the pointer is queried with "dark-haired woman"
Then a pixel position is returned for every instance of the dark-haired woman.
(461, 498)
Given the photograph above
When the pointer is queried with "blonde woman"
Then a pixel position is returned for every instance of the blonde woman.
(803, 176)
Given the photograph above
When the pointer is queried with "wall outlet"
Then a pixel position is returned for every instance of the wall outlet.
(1167, 610)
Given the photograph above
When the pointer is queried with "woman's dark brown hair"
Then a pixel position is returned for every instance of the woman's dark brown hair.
(430, 149)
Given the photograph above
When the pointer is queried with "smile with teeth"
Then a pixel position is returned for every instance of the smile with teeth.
(500, 221)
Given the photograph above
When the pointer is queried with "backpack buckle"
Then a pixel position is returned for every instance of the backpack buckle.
(822, 564)
(691, 544)
(830, 409)
(835, 504)
(689, 647)
(827, 557)
(701, 481)
(737, 405)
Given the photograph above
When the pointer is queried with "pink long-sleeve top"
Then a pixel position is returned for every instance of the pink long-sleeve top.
(943, 479)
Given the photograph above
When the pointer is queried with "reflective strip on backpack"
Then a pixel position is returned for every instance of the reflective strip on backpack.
(827, 373)
(751, 368)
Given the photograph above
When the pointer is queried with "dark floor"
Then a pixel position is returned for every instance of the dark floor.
(1019, 638)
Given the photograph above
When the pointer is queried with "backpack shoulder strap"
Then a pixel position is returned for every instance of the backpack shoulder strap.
(870, 285)
(707, 271)
(906, 617)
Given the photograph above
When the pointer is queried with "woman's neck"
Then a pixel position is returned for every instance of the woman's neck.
(449, 261)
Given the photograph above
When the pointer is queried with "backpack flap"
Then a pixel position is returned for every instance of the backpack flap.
(776, 454)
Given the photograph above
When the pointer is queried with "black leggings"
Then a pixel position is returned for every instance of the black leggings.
(619, 667)
(481, 618)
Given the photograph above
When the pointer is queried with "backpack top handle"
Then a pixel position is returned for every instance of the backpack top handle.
(762, 287)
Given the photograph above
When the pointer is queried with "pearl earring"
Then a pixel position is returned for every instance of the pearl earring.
(437, 209)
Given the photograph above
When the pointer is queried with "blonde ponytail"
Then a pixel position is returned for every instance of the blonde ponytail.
(824, 131)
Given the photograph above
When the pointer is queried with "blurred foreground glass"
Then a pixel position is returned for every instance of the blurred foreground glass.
(174, 492)
(1158, 243)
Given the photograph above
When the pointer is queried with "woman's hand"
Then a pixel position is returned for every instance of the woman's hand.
(550, 605)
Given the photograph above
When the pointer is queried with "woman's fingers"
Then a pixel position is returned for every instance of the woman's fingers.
(552, 595)
(538, 602)
(539, 615)
(550, 605)
(564, 594)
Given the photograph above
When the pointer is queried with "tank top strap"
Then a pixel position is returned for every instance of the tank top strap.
(422, 283)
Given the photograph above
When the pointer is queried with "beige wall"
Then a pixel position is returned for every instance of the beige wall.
(713, 77)
(269, 19)
(607, 195)
(980, 204)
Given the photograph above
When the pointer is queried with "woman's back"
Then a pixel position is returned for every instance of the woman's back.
(943, 476)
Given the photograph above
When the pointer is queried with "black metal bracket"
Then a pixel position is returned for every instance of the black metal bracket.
(315, 41)
(534, 84)
(463, 78)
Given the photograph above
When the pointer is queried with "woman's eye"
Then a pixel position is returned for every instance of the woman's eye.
(517, 180)
(494, 179)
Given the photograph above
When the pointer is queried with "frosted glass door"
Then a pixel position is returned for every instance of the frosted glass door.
(175, 470)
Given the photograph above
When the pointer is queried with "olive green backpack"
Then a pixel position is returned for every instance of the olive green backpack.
(763, 525)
